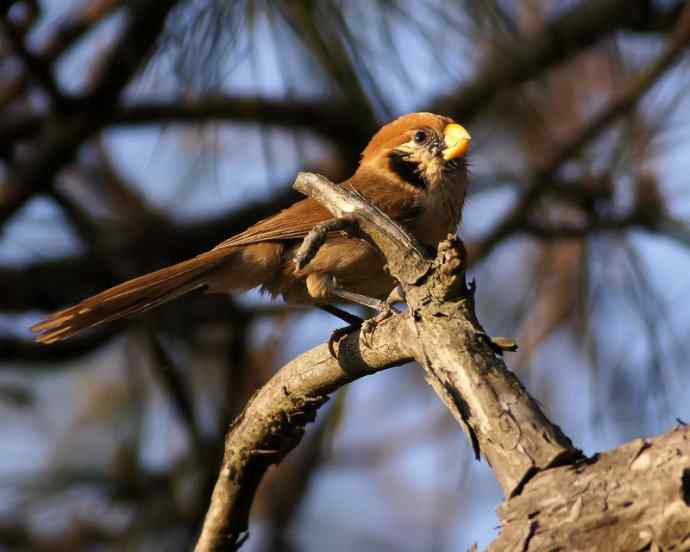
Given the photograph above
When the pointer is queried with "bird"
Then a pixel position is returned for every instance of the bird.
(414, 169)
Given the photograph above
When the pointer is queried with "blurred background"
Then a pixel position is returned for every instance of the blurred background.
(137, 133)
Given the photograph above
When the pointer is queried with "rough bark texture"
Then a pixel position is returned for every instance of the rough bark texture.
(272, 424)
(499, 417)
(635, 497)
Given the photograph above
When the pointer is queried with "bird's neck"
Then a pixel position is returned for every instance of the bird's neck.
(438, 208)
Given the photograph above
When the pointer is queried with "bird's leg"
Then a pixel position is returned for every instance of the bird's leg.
(371, 302)
(385, 309)
(348, 317)
(322, 286)
(317, 236)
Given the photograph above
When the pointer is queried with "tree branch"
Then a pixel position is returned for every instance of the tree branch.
(67, 33)
(635, 497)
(37, 357)
(76, 25)
(499, 417)
(273, 422)
(440, 331)
(332, 121)
(41, 72)
(55, 277)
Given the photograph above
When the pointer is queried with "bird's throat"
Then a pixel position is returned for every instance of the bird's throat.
(407, 170)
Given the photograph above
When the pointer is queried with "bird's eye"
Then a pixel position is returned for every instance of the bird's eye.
(420, 137)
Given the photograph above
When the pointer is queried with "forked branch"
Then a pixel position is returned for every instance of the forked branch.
(440, 331)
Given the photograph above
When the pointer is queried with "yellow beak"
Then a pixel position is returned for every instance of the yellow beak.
(457, 141)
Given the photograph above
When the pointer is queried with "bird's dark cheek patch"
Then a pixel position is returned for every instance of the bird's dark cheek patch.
(407, 170)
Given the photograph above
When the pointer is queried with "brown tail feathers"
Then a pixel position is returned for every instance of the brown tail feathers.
(132, 297)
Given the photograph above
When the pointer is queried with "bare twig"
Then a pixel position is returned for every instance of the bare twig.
(176, 387)
(41, 71)
(404, 254)
(33, 356)
(68, 32)
(75, 25)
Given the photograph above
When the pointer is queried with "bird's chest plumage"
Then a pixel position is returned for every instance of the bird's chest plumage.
(440, 212)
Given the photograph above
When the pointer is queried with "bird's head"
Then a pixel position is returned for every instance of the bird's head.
(422, 150)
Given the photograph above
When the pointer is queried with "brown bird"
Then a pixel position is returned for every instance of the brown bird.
(414, 169)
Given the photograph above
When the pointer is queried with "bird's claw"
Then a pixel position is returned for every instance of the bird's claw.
(339, 334)
(369, 326)
(366, 328)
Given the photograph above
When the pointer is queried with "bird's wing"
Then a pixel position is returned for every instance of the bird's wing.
(291, 223)
(296, 221)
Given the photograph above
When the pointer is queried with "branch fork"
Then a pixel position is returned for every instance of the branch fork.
(440, 331)
(459, 358)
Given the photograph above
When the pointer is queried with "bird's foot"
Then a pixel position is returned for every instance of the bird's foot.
(369, 326)
(354, 323)
(339, 334)
(366, 327)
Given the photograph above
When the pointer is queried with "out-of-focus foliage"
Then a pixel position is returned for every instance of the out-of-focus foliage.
(137, 133)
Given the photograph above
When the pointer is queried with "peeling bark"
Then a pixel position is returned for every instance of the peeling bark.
(635, 497)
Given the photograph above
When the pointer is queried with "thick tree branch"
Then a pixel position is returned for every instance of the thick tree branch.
(273, 422)
(440, 331)
(500, 418)
(635, 497)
